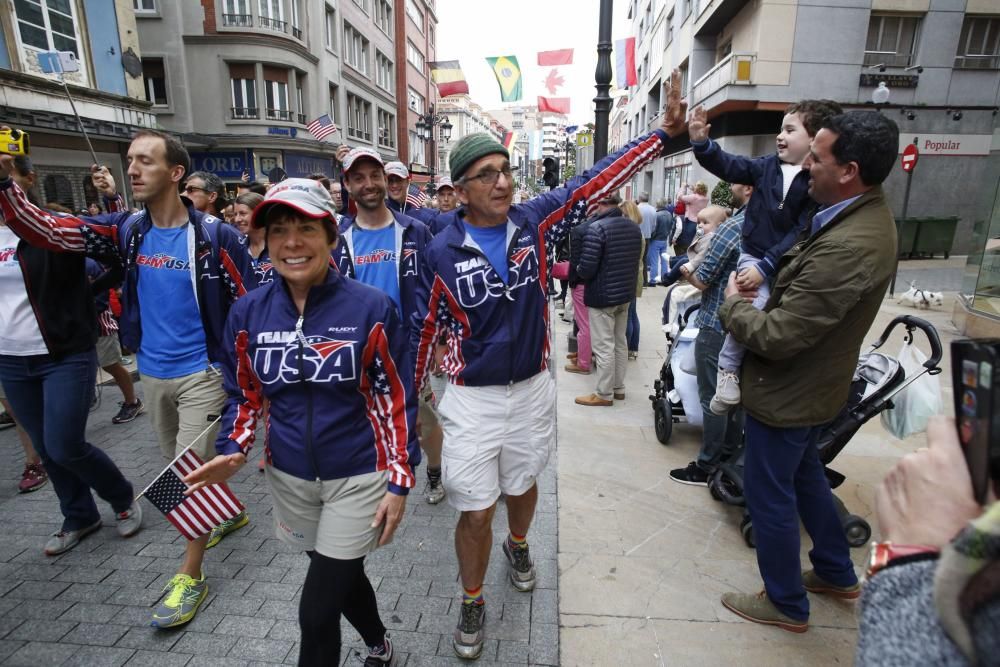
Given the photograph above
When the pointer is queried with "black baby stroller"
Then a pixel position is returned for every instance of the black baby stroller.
(675, 397)
(877, 379)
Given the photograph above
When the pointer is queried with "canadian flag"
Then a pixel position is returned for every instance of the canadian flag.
(553, 81)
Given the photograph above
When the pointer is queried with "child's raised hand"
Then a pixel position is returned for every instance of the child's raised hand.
(749, 278)
(698, 126)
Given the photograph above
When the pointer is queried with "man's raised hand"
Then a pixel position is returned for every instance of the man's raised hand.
(675, 113)
(103, 180)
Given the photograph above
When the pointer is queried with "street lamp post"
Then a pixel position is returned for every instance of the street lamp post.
(425, 129)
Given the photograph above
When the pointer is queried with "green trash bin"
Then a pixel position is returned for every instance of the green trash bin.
(907, 228)
(935, 236)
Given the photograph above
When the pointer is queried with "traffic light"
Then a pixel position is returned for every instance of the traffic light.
(551, 175)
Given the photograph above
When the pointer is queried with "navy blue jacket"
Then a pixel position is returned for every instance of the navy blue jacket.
(773, 221)
(412, 236)
(218, 257)
(609, 262)
(338, 378)
(497, 333)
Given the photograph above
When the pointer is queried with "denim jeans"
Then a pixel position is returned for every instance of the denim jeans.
(52, 401)
(720, 435)
(656, 261)
(784, 482)
(632, 329)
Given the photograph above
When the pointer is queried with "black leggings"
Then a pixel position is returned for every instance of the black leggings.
(334, 587)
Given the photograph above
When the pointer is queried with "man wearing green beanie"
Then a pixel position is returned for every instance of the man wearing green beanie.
(483, 290)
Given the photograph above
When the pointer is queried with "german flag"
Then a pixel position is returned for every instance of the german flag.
(447, 74)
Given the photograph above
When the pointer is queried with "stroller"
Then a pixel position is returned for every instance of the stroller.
(675, 397)
(877, 379)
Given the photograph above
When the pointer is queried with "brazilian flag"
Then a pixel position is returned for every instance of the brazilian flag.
(508, 75)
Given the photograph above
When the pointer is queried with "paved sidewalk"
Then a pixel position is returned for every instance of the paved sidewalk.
(91, 606)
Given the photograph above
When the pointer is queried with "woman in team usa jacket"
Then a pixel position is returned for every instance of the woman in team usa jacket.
(330, 354)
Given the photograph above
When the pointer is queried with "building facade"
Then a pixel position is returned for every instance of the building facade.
(417, 24)
(107, 90)
(746, 60)
(241, 79)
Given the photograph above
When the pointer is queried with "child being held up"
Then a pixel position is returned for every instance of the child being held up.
(709, 219)
(776, 214)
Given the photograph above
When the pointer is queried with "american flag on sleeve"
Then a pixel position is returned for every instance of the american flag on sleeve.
(197, 514)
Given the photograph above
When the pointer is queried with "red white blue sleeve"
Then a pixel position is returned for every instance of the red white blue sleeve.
(95, 236)
(391, 402)
(244, 396)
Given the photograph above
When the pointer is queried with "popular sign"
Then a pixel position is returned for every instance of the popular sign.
(948, 144)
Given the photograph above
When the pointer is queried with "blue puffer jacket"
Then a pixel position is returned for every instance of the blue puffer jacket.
(609, 262)
(217, 257)
(338, 378)
(773, 221)
(412, 236)
(497, 333)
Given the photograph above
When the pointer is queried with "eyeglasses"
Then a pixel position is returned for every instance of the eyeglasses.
(490, 176)
(193, 188)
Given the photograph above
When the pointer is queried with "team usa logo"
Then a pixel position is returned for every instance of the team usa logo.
(377, 257)
(162, 261)
(408, 264)
(277, 358)
(477, 281)
(8, 255)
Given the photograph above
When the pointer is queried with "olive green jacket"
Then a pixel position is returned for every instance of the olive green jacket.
(803, 348)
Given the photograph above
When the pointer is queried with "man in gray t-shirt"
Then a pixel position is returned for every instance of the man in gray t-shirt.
(647, 226)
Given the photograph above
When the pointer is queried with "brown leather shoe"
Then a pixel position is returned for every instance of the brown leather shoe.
(759, 609)
(572, 355)
(573, 368)
(620, 397)
(593, 400)
(814, 584)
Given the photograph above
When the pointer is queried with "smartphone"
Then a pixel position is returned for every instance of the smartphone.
(975, 371)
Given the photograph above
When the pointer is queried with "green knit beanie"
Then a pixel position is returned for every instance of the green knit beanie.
(470, 148)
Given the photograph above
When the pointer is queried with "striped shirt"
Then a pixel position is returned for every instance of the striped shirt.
(721, 260)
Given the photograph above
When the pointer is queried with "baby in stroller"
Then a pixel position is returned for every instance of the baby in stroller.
(709, 219)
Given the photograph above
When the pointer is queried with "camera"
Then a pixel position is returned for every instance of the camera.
(14, 142)
(975, 369)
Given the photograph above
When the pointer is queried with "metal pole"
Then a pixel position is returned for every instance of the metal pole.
(602, 76)
(80, 122)
(906, 205)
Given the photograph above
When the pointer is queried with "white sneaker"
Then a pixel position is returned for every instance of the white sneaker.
(727, 388)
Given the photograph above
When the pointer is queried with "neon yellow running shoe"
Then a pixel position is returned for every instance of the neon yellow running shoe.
(227, 527)
(184, 595)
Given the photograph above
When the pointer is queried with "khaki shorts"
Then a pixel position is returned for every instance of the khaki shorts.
(182, 408)
(109, 351)
(496, 439)
(427, 411)
(333, 517)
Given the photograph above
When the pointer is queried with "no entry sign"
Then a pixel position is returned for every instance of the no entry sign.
(910, 157)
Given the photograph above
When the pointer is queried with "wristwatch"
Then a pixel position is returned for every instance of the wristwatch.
(882, 554)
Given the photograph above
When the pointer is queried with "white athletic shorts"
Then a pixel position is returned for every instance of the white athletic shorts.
(496, 439)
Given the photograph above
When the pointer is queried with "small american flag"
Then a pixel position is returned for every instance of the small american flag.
(322, 127)
(197, 514)
(416, 197)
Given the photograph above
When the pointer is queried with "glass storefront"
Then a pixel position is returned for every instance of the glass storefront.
(981, 283)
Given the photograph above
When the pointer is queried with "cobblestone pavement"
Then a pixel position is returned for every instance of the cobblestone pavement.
(91, 606)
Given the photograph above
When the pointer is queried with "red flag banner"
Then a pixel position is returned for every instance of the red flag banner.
(552, 102)
(555, 58)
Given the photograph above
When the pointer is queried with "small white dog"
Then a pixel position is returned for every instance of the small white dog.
(920, 298)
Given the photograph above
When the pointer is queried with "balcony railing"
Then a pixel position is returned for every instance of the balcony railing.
(246, 113)
(887, 58)
(296, 32)
(237, 20)
(734, 69)
(971, 61)
(273, 24)
(279, 114)
(301, 118)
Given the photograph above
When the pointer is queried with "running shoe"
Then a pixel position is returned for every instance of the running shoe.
(65, 540)
(130, 521)
(383, 657)
(128, 412)
(522, 570)
(227, 527)
(435, 492)
(470, 633)
(184, 595)
(33, 478)
(6, 420)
